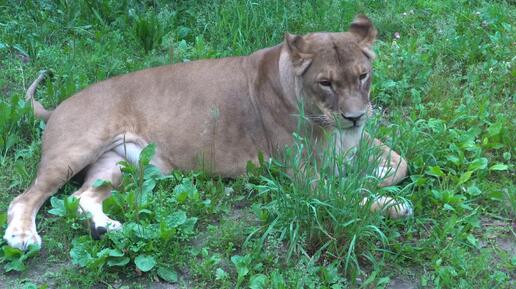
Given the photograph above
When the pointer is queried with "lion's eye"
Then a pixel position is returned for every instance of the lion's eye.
(325, 83)
(362, 76)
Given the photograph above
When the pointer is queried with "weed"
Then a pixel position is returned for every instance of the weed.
(14, 259)
(148, 232)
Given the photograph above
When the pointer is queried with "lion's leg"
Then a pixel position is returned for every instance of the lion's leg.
(106, 168)
(21, 215)
(56, 168)
(392, 168)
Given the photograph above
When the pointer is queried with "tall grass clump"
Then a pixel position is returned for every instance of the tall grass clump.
(148, 31)
(314, 201)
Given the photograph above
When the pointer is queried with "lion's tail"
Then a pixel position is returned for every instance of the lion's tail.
(39, 111)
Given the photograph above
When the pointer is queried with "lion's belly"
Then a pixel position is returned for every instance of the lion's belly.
(214, 154)
(223, 156)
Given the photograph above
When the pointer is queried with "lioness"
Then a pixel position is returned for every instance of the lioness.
(226, 110)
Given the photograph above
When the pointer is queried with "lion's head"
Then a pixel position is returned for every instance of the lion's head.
(333, 73)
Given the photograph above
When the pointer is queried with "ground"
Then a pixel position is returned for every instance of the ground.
(444, 94)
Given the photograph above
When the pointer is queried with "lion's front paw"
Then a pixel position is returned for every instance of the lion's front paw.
(400, 210)
(393, 208)
(21, 238)
(382, 171)
(101, 226)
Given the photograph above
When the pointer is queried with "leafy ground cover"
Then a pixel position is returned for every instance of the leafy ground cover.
(444, 88)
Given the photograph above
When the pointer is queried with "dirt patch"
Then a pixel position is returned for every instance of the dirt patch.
(500, 233)
(38, 272)
(508, 245)
(402, 283)
(137, 283)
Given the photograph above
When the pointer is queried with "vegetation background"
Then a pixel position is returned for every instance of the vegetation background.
(445, 91)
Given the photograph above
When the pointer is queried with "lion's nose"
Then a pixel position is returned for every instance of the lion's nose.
(352, 118)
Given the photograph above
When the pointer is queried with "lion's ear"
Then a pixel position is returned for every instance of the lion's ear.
(300, 60)
(364, 31)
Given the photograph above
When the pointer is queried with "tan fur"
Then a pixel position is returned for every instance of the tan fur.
(210, 114)
(39, 111)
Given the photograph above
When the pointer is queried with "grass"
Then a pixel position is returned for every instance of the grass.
(445, 91)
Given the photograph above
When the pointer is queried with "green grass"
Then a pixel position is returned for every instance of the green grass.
(447, 97)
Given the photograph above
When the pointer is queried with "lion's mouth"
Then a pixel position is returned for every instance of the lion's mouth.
(349, 126)
(321, 120)
(335, 121)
